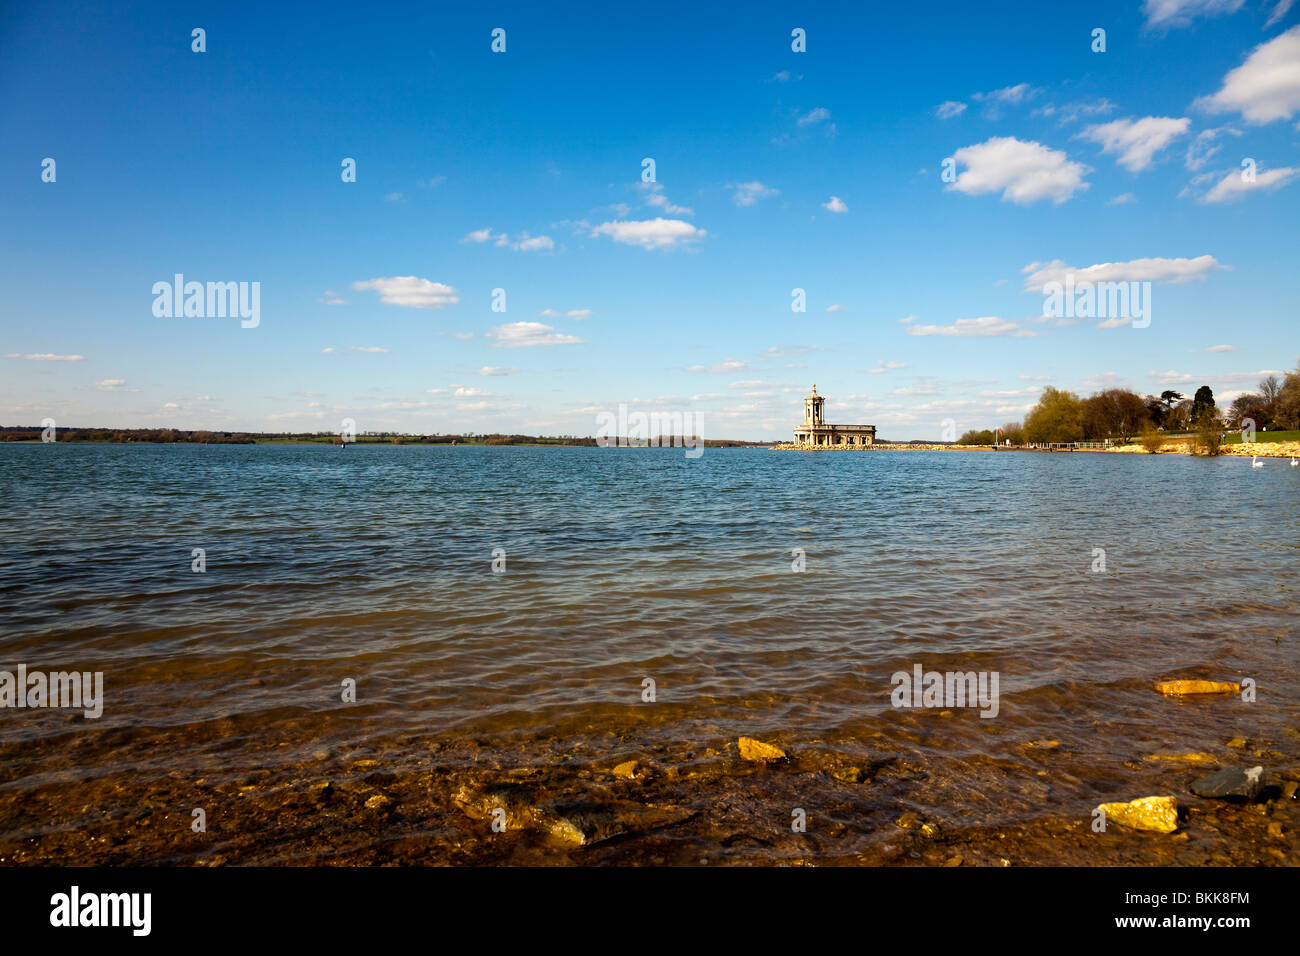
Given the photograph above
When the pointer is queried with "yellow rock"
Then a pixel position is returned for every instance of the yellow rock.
(627, 770)
(1196, 758)
(1148, 813)
(1177, 688)
(752, 749)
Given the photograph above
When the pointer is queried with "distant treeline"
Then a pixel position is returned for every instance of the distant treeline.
(164, 436)
(175, 436)
(1120, 414)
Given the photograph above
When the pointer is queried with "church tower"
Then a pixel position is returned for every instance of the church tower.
(814, 408)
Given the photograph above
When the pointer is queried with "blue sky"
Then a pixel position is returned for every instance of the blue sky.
(775, 170)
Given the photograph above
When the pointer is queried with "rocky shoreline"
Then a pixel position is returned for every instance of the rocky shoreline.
(1282, 449)
(734, 801)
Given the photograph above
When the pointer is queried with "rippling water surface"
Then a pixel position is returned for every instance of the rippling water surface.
(375, 563)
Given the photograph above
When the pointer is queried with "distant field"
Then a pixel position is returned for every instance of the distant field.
(1234, 438)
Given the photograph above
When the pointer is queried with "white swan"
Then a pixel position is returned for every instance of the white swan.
(1294, 462)
(1255, 462)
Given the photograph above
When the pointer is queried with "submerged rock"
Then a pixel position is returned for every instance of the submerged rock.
(627, 770)
(1179, 688)
(1194, 758)
(756, 750)
(582, 820)
(1148, 813)
(1234, 782)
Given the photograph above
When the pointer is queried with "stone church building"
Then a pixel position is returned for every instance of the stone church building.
(814, 432)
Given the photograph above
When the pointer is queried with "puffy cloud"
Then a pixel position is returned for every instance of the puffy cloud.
(1025, 172)
(1136, 140)
(835, 204)
(496, 370)
(410, 291)
(1234, 186)
(949, 108)
(1136, 270)
(522, 335)
(1267, 86)
(655, 233)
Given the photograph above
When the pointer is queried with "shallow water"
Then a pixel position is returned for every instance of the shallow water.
(223, 688)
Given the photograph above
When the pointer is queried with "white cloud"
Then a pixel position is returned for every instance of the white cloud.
(496, 370)
(818, 115)
(1233, 186)
(1072, 111)
(1267, 86)
(730, 365)
(109, 384)
(655, 197)
(332, 298)
(374, 349)
(1025, 172)
(949, 108)
(747, 194)
(1279, 11)
(1008, 94)
(1180, 13)
(525, 242)
(1137, 270)
(1202, 149)
(835, 204)
(394, 197)
(579, 315)
(522, 335)
(1172, 377)
(1220, 348)
(328, 351)
(46, 357)
(650, 233)
(983, 327)
(1136, 140)
(464, 392)
(410, 291)
(835, 308)
(1121, 199)
(549, 313)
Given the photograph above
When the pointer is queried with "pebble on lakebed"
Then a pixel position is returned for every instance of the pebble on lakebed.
(1234, 782)
(1179, 688)
(1147, 813)
(756, 750)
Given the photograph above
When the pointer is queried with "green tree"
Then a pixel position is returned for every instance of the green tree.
(1203, 404)
(1056, 417)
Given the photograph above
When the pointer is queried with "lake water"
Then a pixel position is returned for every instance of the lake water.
(223, 689)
